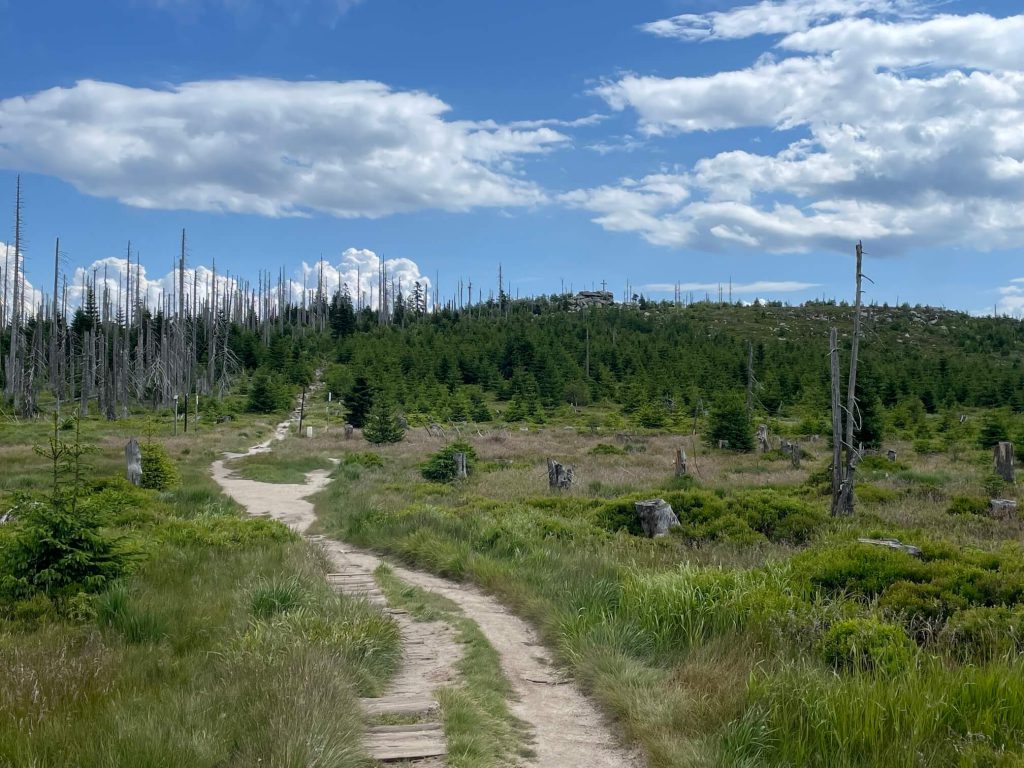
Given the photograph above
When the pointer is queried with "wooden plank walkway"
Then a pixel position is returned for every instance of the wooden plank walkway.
(429, 652)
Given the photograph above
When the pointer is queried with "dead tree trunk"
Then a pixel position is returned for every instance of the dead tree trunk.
(1003, 456)
(843, 469)
(656, 517)
(680, 462)
(460, 465)
(559, 477)
(133, 462)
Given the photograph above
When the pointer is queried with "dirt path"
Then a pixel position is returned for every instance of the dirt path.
(568, 730)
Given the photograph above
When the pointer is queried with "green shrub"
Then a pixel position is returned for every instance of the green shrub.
(382, 424)
(867, 645)
(268, 394)
(367, 459)
(968, 505)
(440, 468)
(927, 446)
(604, 449)
(58, 549)
(913, 602)
(873, 494)
(225, 531)
(857, 568)
(985, 633)
(731, 422)
(776, 515)
(158, 470)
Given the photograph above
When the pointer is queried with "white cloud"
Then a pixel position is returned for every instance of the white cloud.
(1011, 299)
(30, 296)
(771, 18)
(270, 147)
(910, 134)
(355, 271)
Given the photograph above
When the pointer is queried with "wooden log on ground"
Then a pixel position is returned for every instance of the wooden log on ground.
(656, 517)
(895, 544)
(1003, 457)
(133, 462)
(1002, 509)
(560, 476)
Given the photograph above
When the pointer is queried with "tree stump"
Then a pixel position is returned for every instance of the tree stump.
(890, 455)
(680, 462)
(1003, 456)
(1002, 509)
(795, 454)
(460, 465)
(656, 517)
(762, 438)
(133, 462)
(349, 430)
(559, 477)
(723, 444)
(309, 432)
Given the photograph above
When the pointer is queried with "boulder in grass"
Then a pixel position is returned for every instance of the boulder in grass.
(656, 517)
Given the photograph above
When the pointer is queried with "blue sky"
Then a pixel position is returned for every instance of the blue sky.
(652, 141)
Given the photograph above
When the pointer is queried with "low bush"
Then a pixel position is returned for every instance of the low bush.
(440, 468)
(366, 459)
(222, 531)
(604, 449)
(867, 645)
(979, 635)
(158, 470)
(968, 505)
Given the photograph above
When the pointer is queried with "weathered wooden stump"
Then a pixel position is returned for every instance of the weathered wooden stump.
(309, 431)
(1003, 457)
(762, 438)
(559, 476)
(1002, 509)
(460, 465)
(349, 430)
(133, 462)
(890, 455)
(895, 544)
(680, 462)
(723, 444)
(792, 450)
(656, 517)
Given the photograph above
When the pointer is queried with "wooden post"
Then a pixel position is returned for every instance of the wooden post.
(133, 462)
(460, 465)
(349, 429)
(680, 462)
(302, 408)
(175, 414)
(1003, 456)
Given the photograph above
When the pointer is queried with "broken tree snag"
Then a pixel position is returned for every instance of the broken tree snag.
(349, 429)
(680, 462)
(792, 450)
(762, 438)
(656, 517)
(895, 544)
(890, 455)
(1002, 509)
(460, 465)
(1003, 455)
(559, 476)
(133, 462)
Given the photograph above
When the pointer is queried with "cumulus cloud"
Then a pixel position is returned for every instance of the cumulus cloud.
(772, 18)
(1011, 299)
(30, 296)
(355, 272)
(270, 147)
(909, 134)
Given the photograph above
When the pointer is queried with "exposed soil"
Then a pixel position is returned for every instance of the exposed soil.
(568, 731)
